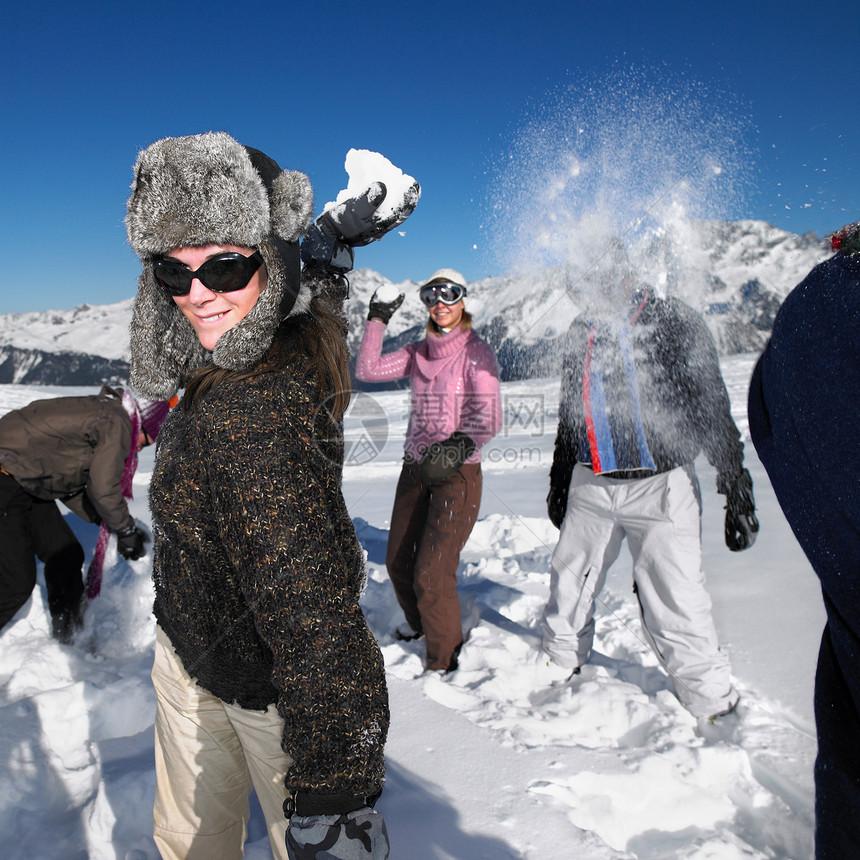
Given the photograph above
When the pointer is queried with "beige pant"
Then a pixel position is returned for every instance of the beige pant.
(208, 756)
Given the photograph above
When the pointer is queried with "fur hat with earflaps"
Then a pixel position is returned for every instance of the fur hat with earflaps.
(210, 189)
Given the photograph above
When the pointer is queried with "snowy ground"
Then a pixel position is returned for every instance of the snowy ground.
(488, 762)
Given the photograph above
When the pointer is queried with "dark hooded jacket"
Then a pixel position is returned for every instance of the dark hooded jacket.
(684, 404)
(73, 449)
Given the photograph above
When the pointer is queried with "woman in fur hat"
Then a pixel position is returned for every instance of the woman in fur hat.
(456, 408)
(266, 673)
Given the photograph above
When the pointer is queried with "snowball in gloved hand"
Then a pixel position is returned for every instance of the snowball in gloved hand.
(367, 172)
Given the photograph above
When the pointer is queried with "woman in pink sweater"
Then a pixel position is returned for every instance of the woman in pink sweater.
(456, 408)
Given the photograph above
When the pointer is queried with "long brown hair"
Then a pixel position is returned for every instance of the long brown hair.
(314, 343)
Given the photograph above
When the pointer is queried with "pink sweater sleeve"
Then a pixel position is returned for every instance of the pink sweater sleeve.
(371, 365)
(482, 407)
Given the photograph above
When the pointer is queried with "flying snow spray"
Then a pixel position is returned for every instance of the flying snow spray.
(642, 157)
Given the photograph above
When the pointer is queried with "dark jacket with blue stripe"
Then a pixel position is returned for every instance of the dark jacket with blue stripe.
(683, 399)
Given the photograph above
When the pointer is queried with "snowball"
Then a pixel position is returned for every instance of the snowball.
(387, 293)
(364, 168)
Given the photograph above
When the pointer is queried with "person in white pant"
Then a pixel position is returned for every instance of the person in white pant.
(642, 395)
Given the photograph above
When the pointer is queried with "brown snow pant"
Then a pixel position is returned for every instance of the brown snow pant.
(430, 525)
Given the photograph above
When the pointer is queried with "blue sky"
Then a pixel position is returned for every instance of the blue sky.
(443, 89)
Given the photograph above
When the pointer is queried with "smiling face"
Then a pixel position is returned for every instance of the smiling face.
(211, 313)
(447, 316)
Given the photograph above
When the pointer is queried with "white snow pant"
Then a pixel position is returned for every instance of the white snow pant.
(661, 518)
(208, 755)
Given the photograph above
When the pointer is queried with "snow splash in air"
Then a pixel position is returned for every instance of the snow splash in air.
(639, 155)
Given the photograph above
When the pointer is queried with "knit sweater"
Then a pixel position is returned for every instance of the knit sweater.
(257, 574)
(454, 380)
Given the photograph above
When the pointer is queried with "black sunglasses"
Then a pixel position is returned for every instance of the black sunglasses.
(224, 273)
(448, 294)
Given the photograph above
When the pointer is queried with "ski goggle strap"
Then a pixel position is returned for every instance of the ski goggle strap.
(224, 273)
(443, 291)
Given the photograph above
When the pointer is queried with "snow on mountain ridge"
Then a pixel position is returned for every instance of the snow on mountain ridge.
(86, 329)
(780, 259)
(737, 273)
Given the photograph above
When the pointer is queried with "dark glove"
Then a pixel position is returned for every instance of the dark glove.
(741, 522)
(356, 220)
(353, 223)
(556, 504)
(129, 542)
(383, 311)
(443, 459)
(560, 475)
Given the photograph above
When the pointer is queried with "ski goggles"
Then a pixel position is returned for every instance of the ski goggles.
(224, 273)
(447, 293)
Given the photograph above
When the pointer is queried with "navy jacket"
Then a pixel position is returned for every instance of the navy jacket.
(804, 411)
(804, 414)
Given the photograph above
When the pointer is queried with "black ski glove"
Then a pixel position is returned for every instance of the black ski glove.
(556, 504)
(741, 522)
(353, 223)
(383, 311)
(129, 542)
(560, 474)
(443, 459)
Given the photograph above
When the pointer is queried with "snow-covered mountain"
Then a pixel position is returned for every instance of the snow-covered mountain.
(87, 345)
(736, 273)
